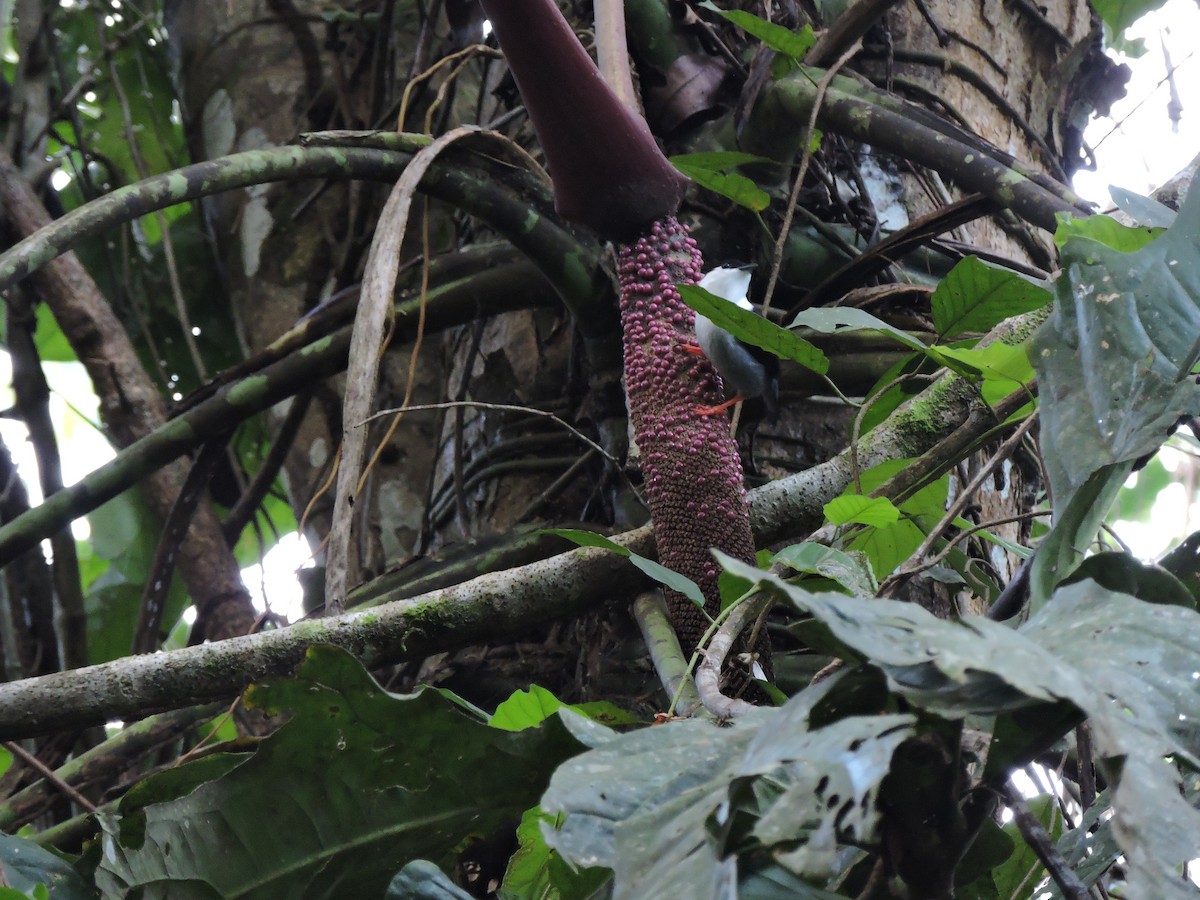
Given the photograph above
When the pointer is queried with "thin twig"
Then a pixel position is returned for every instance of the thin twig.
(503, 407)
(960, 502)
(1043, 847)
(785, 227)
(46, 772)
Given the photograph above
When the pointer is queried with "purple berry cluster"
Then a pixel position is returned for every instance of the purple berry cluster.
(690, 462)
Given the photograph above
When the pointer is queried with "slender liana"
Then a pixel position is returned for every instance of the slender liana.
(610, 175)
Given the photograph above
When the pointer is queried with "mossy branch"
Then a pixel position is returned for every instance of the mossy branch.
(473, 184)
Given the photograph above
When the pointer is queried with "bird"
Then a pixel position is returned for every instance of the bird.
(746, 371)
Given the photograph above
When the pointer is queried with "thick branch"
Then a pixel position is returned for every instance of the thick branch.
(474, 184)
(491, 607)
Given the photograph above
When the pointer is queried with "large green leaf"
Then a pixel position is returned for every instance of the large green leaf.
(1128, 665)
(665, 807)
(975, 297)
(1113, 359)
(357, 783)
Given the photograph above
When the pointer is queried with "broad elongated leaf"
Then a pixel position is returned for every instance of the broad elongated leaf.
(356, 784)
(660, 573)
(754, 329)
(834, 319)
(1128, 665)
(793, 44)
(878, 511)
(975, 297)
(1114, 356)
(1104, 229)
(715, 171)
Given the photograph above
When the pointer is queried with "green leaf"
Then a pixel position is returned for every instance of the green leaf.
(526, 709)
(1006, 365)
(535, 872)
(27, 866)
(1090, 848)
(356, 783)
(1143, 210)
(712, 171)
(850, 570)
(1120, 14)
(1184, 563)
(753, 328)
(52, 344)
(974, 297)
(878, 511)
(1074, 527)
(773, 882)
(1104, 230)
(662, 806)
(1024, 871)
(793, 44)
(1113, 359)
(836, 319)
(1128, 665)
(990, 849)
(888, 544)
(657, 571)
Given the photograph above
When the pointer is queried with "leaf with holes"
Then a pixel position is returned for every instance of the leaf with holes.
(1113, 360)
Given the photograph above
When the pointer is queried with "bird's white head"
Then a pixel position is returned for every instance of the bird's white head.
(730, 284)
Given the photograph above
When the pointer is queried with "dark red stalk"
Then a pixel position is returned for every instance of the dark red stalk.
(608, 172)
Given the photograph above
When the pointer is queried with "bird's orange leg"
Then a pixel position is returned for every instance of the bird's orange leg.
(719, 408)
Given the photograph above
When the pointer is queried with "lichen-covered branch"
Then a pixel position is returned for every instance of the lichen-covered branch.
(491, 607)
